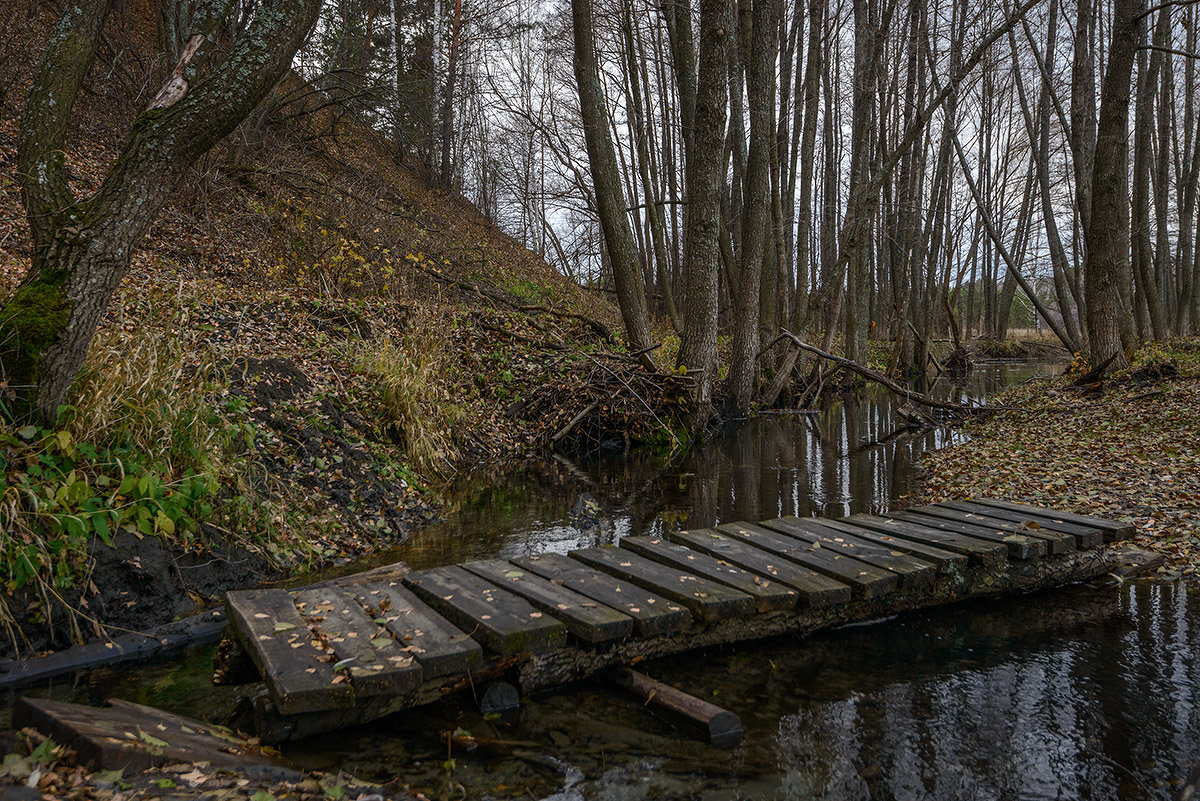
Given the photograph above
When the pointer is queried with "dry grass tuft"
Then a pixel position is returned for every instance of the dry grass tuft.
(422, 398)
(137, 389)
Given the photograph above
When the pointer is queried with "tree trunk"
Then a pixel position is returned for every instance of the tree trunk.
(1143, 130)
(705, 164)
(1106, 264)
(446, 174)
(808, 158)
(760, 84)
(82, 247)
(606, 175)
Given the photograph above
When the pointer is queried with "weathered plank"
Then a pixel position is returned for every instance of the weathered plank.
(913, 571)
(652, 614)
(1056, 543)
(1019, 545)
(380, 666)
(504, 622)
(135, 737)
(768, 594)
(1085, 536)
(889, 529)
(944, 559)
(720, 727)
(439, 647)
(299, 675)
(867, 581)
(587, 620)
(815, 589)
(708, 600)
(1113, 529)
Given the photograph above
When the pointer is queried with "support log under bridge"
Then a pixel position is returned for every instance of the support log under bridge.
(377, 643)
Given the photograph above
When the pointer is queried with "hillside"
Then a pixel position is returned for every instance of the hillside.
(309, 339)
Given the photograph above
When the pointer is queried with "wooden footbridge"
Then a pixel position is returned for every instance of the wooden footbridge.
(372, 645)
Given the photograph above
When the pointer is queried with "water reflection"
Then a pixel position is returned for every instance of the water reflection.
(1108, 710)
(848, 457)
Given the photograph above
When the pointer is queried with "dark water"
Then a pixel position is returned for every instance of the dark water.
(1081, 693)
(848, 457)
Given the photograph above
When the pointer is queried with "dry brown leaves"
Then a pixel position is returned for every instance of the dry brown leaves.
(1133, 454)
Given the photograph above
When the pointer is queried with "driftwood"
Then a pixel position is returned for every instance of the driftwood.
(880, 378)
(782, 375)
(171, 638)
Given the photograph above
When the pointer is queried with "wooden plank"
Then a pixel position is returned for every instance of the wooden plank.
(584, 618)
(1056, 543)
(299, 675)
(115, 737)
(768, 594)
(380, 666)
(1019, 546)
(1113, 529)
(720, 727)
(867, 581)
(708, 600)
(652, 614)
(504, 622)
(815, 589)
(890, 530)
(439, 647)
(1085, 536)
(941, 557)
(913, 572)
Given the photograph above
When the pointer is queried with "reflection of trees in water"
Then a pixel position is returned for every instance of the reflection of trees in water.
(1109, 711)
(848, 457)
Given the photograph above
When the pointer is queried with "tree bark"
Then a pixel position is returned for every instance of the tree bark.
(698, 348)
(1106, 264)
(606, 175)
(82, 247)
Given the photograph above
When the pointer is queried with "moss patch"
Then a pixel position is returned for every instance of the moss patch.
(30, 323)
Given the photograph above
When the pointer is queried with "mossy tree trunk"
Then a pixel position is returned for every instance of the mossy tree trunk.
(83, 246)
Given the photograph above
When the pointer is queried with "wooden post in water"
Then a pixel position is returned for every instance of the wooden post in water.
(722, 728)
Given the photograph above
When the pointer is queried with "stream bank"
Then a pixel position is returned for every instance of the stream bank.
(1127, 448)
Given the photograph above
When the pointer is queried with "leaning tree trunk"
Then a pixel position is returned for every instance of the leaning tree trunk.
(606, 175)
(82, 247)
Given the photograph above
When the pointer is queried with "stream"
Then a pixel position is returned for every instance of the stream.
(1087, 692)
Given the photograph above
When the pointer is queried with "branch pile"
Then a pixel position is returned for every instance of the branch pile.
(608, 398)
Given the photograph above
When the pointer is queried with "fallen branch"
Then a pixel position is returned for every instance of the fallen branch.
(562, 432)
(879, 378)
(508, 300)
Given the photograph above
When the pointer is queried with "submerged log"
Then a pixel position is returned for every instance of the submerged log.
(168, 639)
(720, 727)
